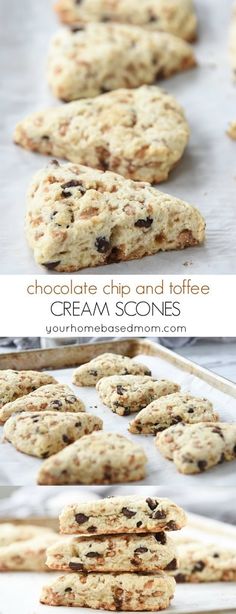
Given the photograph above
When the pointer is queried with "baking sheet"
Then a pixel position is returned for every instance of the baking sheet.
(20, 469)
(205, 177)
(189, 598)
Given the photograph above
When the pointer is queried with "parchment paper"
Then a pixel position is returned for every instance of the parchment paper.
(205, 177)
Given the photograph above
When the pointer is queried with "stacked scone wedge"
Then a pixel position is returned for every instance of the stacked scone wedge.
(120, 558)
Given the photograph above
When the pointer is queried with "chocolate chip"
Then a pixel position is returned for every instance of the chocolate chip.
(172, 565)
(216, 555)
(120, 390)
(81, 518)
(234, 450)
(144, 223)
(218, 432)
(141, 550)
(78, 425)
(51, 265)
(190, 410)
(161, 537)
(71, 400)
(152, 504)
(105, 18)
(128, 513)
(66, 439)
(176, 419)
(92, 529)
(159, 514)
(102, 245)
(74, 29)
(56, 403)
(172, 526)
(55, 163)
(127, 411)
(202, 465)
(68, 589)
(66, 194)
(139, 524)
(45, 137)
(93, 372)
(180, 577)
(92, 555)
(76, 566)
(135, 562)
(199, 566)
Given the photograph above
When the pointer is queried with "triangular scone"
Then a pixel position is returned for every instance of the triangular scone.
(171, 409)
(80, 217)
(10, 533)
(15, 384)
(54, 397)
(46, 433)
(194, 448)
(175, 16)
(107, 364)
(140, 133)
(100, 458)
(201, 562)
(29, 555)
(126, 394)
(124, 56)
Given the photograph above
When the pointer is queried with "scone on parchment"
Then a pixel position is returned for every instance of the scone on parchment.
(125, 591)
(46, 433)
(126, 394)
(101, 57)
(140, 133)
(205, 563)
(99, 458)
(80, 217)
(105, 365)
(53, 397)
(15, 384)
(175, 16)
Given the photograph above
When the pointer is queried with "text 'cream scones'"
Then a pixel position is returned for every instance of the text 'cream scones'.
(114, 553)
(99, 458)
(10, 532)
(80, 217)
(197, 447)
(53, 397)
(15, 384)
(126, 591)
(29, 555)
(140, 133)
(205, 563)
(105, 365)
(172, 409)
(113, 515)
(175, 16)
(102, 57)
(126, 394)
(44, 434)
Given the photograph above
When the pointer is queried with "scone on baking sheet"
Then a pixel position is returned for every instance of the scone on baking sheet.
(107, 364)
(124, 514)
(15, 384)
(126, 394)
(29, 555)
(53, 397)
(46, 433)
(197, 447)
(12, 533)
(114, 553)
(205, 563)
(124, 591)
(140, 133)
(80, 217)
(172, 409)
(99, 458)
(175, 16)
(101, 57)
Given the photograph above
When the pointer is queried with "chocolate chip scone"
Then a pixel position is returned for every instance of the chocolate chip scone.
(99, 458)
(102, 57)
(197, 447)
(175, 16)
(80, 217)
(126, 591)
(132, 514)
(114, 553)
(105, 365)
(170, 410)
(10, 533)
(126, 394)
(15, 384)
(140, 133)
(205, 563)
(29, 555)
(53, 397)
(44, 434)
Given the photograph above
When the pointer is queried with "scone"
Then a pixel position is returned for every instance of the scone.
(172, 409)
(126, 591)
(15, 384)
(29, 555)
(54, 397)
(140, 134)
(113, 515)
(80, 217)
(205, 563)
(100, 458)
(44, 434)
(11, 533)
(114, 553)
(107, 364)
(175, 16)
(197, 447)
(102, 57)
(125, 394)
